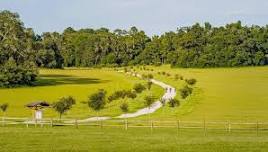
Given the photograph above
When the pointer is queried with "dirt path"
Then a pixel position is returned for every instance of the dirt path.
(169, 94)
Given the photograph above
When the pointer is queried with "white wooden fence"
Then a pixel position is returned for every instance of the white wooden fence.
(228, 126)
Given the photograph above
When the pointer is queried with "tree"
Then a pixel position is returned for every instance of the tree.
(97, 100)
(185, 92)
(149, 85)
(149, 100)
(63, 105)
(174, 103)
(193, 46)
(16, 52)
(4, 107)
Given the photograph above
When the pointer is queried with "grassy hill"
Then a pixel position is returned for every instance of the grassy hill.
(220, 94)
(79, 83)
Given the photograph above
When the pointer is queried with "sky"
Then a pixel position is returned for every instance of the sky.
(152, 16)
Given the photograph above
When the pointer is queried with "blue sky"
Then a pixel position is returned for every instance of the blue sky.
(153, 16)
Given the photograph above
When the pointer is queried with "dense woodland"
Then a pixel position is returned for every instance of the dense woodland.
(22, 51)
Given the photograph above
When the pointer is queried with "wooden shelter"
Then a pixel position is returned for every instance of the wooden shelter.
(37, 107)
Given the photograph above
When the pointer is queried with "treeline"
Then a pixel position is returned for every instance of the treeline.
(195, 46)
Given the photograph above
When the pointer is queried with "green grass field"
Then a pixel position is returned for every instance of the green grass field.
(222, 94)
(79, 83)
(139, 140)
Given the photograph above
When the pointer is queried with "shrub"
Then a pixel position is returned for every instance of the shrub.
(185, 92)
(149, 100)
(176, 77)
(191, 81)
(124, 107)
(131, 94)
(174, 103)
(122, 94)
(163, 73)
(139, 88)
(150, 76)
(163, 101)
(144, 76)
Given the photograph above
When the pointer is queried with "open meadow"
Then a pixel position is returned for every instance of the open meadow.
(135, 139)
(220, 94)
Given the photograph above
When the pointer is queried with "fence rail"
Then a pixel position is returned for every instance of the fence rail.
(125, 124)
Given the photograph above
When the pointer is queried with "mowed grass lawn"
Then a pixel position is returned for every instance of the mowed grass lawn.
(221, 94)
(134, 140)
(79, 83)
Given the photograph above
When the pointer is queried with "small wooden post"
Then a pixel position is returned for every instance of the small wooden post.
(27, 123)
(101, 125)
(229, 127)
(76, 123)
(204, 127)
(126, 124)
(3, 121)
(257, 128)
(51, 122)
(41, 123)
(178, 126)
(152, 126)
(35, 123)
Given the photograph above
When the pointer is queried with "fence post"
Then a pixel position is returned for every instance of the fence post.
(51, 122)
(101, 125)
(35, 123)
(152, 126)
(76, 123)
(204, 125)
(41, 123)
(257, 128)
(229, 127)
(27, 123)
(126, 124)
(178, 126)
(3, 121)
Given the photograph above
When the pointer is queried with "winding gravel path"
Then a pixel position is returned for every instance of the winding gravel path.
(169, 94)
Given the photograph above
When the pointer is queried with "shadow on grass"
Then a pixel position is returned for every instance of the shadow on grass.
(54, 79)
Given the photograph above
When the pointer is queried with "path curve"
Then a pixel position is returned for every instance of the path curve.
(169, 94)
